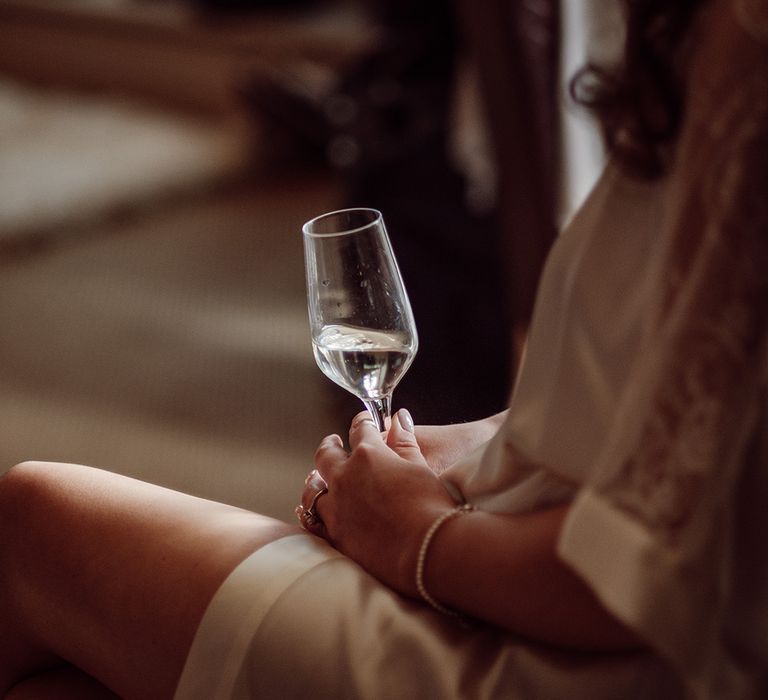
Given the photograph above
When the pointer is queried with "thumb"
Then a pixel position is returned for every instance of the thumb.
(402, 439)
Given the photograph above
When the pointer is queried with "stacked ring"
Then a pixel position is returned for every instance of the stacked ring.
(307, 515)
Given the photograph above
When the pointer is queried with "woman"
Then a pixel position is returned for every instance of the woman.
(614, 547)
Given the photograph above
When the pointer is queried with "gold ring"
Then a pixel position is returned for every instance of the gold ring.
(311, 510)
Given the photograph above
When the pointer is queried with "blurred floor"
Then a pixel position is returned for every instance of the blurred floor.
(69, 157)
(172, 346)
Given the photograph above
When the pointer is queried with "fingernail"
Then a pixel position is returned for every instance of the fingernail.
(333, 439)
(361, 417)
(406, 420)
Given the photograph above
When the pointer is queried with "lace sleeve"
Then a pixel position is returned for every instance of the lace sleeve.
(711, 309)
(753, 17)
(660, 499)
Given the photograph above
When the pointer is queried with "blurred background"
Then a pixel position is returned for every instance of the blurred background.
(157, 161)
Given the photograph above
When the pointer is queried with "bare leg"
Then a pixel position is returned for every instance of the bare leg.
(110, 574)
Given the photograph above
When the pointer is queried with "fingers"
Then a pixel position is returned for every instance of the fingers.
(402, 438)
(364, 430)
(314, 482)
(331, 448)
(330, 453)
(330, 457)
(318, 508)
(331, 441)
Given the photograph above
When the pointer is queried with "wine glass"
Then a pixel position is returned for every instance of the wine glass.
(363, 332)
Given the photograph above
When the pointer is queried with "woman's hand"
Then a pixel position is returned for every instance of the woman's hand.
(442, 445)
(381, 499)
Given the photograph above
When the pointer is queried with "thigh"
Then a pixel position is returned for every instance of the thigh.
(112, 574)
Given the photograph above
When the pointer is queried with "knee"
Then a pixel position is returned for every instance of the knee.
(16, 485)
(31, 498)
(22, 482)
(24, 489)
(20, 489)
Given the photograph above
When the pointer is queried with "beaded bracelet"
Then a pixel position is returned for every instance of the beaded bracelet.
(452, 513)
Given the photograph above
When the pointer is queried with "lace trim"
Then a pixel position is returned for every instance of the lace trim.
(714, 314)
(753, 17)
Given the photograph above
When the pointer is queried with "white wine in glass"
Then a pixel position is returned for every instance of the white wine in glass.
(363, 333)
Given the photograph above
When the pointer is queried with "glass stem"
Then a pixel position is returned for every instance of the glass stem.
(379, 410)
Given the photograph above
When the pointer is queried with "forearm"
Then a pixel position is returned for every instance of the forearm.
(382, 499)
(442, 445)
(504, 569)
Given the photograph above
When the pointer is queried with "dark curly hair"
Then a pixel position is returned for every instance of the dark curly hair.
(639, 103)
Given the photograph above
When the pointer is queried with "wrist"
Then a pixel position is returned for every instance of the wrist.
(409, 551)
(423, 554)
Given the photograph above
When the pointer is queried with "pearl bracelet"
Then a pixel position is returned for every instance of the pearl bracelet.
(452, 513)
